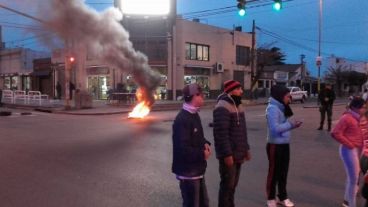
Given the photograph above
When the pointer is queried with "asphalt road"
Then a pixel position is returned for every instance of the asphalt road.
(54, 160)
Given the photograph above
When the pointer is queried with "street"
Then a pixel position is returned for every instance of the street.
(56, 160)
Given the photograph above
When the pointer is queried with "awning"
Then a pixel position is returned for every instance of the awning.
(40, 73)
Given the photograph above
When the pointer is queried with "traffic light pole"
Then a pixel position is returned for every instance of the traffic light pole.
(319, 45)
(252, 61)
(68, 68)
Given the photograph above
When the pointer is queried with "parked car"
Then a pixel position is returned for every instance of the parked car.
(297, 94)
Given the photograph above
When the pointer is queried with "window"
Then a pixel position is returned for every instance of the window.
(196, 52)
(260, 83)
(242, 55)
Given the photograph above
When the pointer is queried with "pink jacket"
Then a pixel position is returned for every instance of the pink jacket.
(364, 128)
(347, 131)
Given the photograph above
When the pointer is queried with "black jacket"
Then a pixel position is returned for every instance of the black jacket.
(230, 129)
(326, 97)
(188, 145)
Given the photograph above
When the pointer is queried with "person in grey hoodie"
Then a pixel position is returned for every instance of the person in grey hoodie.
(278, 113)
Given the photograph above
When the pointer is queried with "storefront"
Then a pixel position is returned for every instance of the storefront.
(16, 82)
(201, 76)
(99, 82)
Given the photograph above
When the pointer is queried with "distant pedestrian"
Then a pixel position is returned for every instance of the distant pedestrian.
(58, 90)
(326, 97)
(191, 149)
(279, 125)
(349, 134)
(231, 141)
(71, 89)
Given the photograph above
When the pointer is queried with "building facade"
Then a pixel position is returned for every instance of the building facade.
(16, 66)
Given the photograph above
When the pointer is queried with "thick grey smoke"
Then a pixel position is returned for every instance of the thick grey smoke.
(104, 36)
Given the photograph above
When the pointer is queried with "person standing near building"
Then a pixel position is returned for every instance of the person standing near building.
(279, 125)
(326, 97)
(191, 149)
(350, 136)
(231, 141)
(71, 89)
(58, 90)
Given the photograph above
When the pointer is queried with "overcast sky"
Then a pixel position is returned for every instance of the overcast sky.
(294, 29)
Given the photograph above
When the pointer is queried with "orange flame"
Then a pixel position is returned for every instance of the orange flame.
(140, 111)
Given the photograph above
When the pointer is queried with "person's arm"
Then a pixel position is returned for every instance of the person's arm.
(273, 117)
(338, 133)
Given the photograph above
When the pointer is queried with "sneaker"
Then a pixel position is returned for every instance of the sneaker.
(345, 203)
(271, 203)
(286, 203)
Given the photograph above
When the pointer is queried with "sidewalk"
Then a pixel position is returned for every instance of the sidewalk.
(101, 107)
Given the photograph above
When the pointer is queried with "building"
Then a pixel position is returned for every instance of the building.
(42, 77)
(16, 66)
(210, 55)
(357, 67)
(193, 52)
(287, 74)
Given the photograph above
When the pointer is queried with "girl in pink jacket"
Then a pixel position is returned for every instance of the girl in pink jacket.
(349, 134)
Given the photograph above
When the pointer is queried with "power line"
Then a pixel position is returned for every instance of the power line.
(296, 44)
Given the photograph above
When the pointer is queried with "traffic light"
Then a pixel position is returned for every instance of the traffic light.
(241, 7)
(277, 5)
(71, 59)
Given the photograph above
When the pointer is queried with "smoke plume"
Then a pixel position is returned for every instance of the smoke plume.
(104, 36)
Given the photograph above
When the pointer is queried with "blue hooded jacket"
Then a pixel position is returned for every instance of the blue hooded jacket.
(278, 125)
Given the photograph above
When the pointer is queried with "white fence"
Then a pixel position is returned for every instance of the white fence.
(16, 96)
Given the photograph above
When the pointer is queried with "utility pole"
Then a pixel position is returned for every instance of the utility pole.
(302, 73)
(252, 62)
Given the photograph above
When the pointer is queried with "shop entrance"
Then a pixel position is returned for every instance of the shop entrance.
(201, 80)
(98, 86)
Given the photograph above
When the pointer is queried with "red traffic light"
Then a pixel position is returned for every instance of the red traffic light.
(71, 59)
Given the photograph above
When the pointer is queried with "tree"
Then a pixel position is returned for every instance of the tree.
(266, 57)
(341, 74)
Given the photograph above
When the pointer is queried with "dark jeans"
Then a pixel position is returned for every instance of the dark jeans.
(278, 167)
(364, 168)
(229, 181)
(326, 109)
(194, 193)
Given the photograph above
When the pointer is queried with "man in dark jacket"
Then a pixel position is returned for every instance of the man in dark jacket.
(231, 143)
(191, 149)
(326, 98)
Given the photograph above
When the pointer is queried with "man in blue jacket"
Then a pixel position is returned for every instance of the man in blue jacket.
(231, 142)
(191, 149)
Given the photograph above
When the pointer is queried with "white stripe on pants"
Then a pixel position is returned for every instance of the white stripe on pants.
(350, 158)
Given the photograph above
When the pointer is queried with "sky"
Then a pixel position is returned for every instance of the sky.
(294, 29)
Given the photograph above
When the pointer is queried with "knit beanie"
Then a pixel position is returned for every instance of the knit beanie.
(230, 85)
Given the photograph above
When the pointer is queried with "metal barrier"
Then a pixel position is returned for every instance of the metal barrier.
(36, 96)
(7, 95)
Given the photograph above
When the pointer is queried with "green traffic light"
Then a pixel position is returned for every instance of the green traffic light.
(277, 6)
(241, 12)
